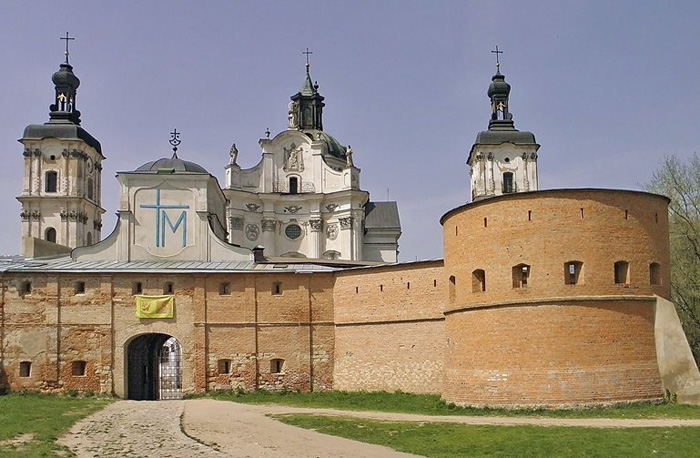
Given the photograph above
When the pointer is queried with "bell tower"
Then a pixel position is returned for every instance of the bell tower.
(61, 189)
(503, 160)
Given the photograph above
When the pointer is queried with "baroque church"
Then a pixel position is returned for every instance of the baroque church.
(287, 278)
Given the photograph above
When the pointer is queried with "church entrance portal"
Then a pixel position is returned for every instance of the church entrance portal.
(153, 368)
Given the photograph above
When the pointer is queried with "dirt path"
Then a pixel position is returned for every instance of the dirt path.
(198, 408)
(131, 429)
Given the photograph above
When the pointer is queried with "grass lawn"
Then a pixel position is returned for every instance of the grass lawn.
(433, 405)
(440, 440)
(30, 424)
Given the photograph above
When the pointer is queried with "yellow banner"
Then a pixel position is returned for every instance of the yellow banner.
(155, 306)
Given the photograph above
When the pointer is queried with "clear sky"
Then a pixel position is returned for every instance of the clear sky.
(607, 87)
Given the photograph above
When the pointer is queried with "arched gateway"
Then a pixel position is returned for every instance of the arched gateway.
(153, 370)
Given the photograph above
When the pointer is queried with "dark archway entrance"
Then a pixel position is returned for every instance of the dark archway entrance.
(153, 368)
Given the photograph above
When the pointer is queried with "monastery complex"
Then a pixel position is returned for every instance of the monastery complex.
(287, 276)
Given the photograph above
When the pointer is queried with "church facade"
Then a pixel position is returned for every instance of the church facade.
(286, 278)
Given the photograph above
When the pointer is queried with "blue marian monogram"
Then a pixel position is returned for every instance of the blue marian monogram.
(162, 219)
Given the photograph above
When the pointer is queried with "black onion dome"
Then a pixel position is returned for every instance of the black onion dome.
(172, 165)
(65, 77)
(498, 86)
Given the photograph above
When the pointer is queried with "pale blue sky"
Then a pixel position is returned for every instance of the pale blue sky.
(607, 88)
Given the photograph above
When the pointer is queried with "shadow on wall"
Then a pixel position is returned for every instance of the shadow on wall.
(4, 386)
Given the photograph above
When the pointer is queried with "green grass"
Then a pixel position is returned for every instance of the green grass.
(43, 417)
(433, 405)
(440, 440)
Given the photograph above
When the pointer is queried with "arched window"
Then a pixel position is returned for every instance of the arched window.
(453, 287)
(51, 181)
(293, 185)
(572, 273)
(521, 275)
(478, 281)
(508, 184)
(654, 273)
(50, 235)
(90, 190)
(621, 272)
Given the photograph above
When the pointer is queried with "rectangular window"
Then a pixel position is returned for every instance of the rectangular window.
(224, 366)
(277, 289)
(521, 275)
(224, 289)
(78, 368)
(137, 288)
(79, 287)
(25, 288)
(168, 288)
(25, 369)
(621, 272)
(276, 366)
(572, 273)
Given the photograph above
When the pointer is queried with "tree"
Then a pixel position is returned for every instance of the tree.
(680, 181)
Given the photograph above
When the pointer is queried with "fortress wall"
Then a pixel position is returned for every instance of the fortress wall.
(562, 353)
(389, 331)
(53, 326)
(551, 342)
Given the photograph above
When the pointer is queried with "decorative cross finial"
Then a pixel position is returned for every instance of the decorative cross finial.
(175, 141)
(307, 52)
(67, 38)
(498, 63)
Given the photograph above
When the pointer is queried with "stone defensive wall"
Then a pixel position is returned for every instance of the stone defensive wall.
(551, 297)
(389, 328)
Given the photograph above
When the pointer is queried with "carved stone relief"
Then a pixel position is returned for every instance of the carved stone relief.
(252, 207)
(293, 160)
(268, 225)
(331, 207)
(332, 231)
(316, 224)
(252, 231)
(236, 223)
(346, 223)
(293, 209)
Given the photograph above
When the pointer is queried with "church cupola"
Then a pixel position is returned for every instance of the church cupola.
(498, 92)
(503, 160)
(66, 89)
(306, 107)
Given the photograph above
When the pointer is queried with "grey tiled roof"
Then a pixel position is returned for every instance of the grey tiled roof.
(382, 215)
(66, 264)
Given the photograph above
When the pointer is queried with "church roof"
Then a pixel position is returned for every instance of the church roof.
(61, 130)
(382, 215)
(171, 165)
(335, 149)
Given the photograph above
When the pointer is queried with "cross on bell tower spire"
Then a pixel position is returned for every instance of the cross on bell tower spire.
(67, 38)
(498, 63)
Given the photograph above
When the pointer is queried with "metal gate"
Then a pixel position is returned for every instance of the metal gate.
(170, 370)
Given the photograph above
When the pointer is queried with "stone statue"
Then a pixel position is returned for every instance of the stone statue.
(293, 115)
(293, 162)
(348, 156)
(233, 153)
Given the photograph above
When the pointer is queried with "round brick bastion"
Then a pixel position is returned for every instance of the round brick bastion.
(552, 297)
